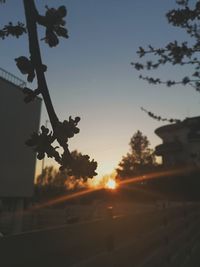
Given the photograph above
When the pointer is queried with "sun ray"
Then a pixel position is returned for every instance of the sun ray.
(157, 175)
(122, 183)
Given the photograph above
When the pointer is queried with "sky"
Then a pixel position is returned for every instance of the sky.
(89, 75)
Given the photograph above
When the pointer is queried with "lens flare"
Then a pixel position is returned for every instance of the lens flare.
(111, 184)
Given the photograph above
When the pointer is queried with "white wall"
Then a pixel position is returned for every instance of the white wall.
(18, 121)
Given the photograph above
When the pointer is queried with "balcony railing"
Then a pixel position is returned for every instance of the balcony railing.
(194, 137)
(11, 78)
(168, 148)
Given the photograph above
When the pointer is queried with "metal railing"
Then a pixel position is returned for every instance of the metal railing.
(12, 78)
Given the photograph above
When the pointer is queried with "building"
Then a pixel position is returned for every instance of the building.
(181, 142)
(18, 121)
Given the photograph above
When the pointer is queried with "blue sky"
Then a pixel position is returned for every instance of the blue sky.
(90, 75)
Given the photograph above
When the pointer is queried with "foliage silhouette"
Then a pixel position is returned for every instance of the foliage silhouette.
(139, 160)
(32, 66)
(186, 16)
(52, 182)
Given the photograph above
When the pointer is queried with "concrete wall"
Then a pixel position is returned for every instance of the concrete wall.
(18, 121)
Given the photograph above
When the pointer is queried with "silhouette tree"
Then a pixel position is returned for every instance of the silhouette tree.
(183, 54)
(139, 160)
(32, 66)
(52, 182)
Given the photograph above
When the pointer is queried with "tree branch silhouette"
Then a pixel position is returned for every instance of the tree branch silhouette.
(176, 53)
(33, 67)
(159, 118)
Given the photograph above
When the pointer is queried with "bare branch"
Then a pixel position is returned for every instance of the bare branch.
(159, 118)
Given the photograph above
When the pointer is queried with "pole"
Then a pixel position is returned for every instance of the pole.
(43, 160)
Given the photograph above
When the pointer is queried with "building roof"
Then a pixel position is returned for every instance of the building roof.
(193, 122)
(12, 78)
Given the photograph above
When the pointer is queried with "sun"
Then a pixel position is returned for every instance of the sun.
(111, 184)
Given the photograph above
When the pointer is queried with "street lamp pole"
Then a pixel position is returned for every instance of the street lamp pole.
(43, 160)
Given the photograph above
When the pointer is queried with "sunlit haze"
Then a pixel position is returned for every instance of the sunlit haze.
(105, 181)
(111, 184)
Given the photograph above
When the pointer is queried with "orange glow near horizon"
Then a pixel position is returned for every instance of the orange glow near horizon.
(112, 184)
(102, 182)
(109, 182)
(105, 182)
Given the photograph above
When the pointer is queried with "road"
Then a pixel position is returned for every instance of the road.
(163, 236)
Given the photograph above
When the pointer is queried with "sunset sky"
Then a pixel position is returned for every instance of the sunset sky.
(89, 75)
